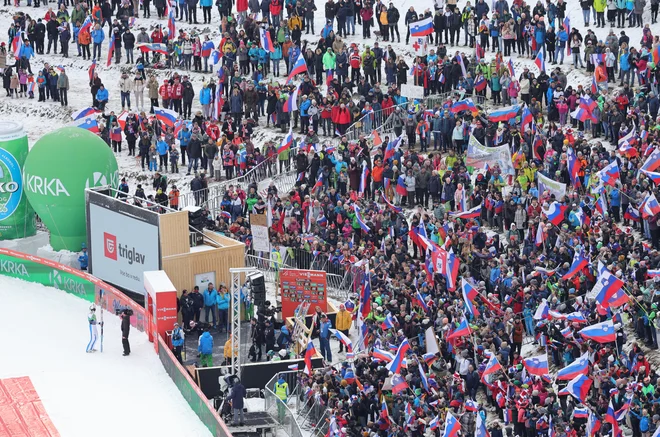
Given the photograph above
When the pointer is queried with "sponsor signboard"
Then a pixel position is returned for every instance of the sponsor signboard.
(300, 285)
(124, 241)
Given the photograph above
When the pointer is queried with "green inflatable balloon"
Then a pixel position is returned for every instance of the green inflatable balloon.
(57, 170)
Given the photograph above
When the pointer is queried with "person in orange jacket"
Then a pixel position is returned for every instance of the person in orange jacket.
(601, 75)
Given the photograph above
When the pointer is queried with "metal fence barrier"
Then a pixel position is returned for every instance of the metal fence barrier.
(279, 409)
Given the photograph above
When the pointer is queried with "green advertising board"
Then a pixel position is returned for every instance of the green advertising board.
(32, 271)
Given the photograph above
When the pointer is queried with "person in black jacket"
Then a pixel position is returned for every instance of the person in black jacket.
(39, 36)
(393, 16)
(125, 330)
(53, 33)
(129, 45)
(411, 17)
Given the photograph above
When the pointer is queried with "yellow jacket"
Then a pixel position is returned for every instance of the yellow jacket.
(344, 320)
(227, 351)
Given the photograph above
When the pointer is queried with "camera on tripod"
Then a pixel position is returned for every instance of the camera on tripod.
(126, 311)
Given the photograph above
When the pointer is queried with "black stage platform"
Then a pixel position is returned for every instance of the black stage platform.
(256, 423)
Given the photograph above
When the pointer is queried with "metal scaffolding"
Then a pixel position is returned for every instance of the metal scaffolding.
(236, 317)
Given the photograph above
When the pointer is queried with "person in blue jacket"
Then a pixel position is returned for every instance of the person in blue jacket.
(304, 114)
(210, 301)
(178, 337)
(276, 57)
(615, 204)
(162, 148)
(560, 47)
(223, 300)
(83, 259)
(205, 100)
(184, 140)
(205, 348)
(102, 97)
(97, 39)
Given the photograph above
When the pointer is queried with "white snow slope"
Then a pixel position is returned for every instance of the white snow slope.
(102, 394)
(39, 118)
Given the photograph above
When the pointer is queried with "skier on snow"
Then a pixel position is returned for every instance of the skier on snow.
(93, 329)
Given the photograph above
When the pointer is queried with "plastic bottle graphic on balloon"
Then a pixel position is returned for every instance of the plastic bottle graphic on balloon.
(16, 214)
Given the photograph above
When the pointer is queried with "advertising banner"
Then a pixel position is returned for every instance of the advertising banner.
(46, 272)
(554, 187)
(122, 245)
(479, 155)
(53, 274)
(16, 214)
(297, 286)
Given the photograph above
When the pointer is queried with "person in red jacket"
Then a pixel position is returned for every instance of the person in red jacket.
(164, 94)
(157, 35)
(343, 118)
(275, 8)
(175, 91)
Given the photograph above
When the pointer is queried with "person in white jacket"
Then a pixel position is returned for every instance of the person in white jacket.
(125, 87)
(138, 90)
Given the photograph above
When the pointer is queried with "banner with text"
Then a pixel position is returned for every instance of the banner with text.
(554, 187)
(478, 156)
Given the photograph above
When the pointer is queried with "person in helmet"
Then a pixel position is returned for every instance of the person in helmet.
(93, 330)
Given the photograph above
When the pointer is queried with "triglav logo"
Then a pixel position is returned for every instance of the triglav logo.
(110, 246)
(112, 249)
(11, 188)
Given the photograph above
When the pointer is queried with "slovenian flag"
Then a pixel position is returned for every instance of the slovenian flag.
(631, 214)
(381, 355)
(359, 219)
(577, 387)
(88, 123)
(610, 174)
(555, 213)
(286, 143)
(401, 186)
(84, 112)
(491, 367)
(504, 114)
(111, 51)
(462, 330)
(344, 339)
(398, 384)
(393, 207)
(607, 285)
(171, 26)
(292, 102)
(580, 413)
(452, 426)
(166, 116)
(266, 42)
(580, 261)
(422, 27)
(537, 365)
(91, 69)
(87, 24)
(464, 105)
(388, 323)
(309, 353)
(469, 214)
(395, 365)
(299, 67)
(600, 332)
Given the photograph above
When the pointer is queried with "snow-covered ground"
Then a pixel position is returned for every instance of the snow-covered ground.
(39, 118)
(100, 394)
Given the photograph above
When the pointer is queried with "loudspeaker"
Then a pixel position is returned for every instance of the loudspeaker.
(258, 289)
